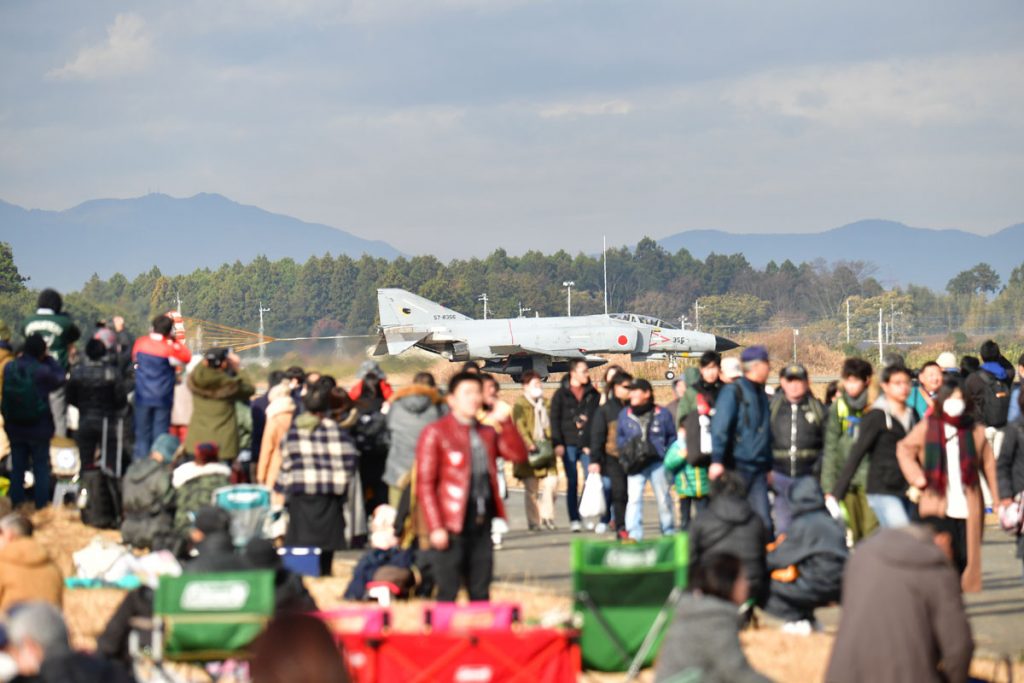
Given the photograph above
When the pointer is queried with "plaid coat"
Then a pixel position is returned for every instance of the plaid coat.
(316, 459)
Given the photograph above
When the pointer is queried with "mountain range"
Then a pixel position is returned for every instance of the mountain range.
(63, 249)
(902, 254)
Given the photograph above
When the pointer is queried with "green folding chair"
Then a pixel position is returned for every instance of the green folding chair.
(625, 595)
(210, 617)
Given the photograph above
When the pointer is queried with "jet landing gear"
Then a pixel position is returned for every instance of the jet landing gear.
(673, 366)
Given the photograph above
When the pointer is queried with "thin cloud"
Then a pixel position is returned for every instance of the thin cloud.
(127, 49)
(576, 110)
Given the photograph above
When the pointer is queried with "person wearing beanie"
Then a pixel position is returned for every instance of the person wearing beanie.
(28, 382)
(741, 431)
(194, 483)
(95, 389)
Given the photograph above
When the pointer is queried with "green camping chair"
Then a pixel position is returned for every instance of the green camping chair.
(625, 594)
(210, 616)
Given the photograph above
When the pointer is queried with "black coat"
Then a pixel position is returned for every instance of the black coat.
(570, 419)
(216, 553)
(95, 389)
(113, 642)
(78, 667)
(730, 525)
(1010, 465)
(810, 416)
(877, 439)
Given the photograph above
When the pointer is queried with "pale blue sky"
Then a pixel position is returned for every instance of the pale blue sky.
(454, 126)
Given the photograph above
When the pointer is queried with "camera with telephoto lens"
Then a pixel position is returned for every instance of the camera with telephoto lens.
(218, 357)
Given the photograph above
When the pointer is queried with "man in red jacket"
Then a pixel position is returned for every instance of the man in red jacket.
(457, 488)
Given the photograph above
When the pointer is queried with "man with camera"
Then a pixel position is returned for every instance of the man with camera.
(216, 384)
(157, 357)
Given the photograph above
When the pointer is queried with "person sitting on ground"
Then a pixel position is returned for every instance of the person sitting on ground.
(807, 562)
(27, 572)
(148, 498)
(903, 616)
(37, 640)
(194, 483)
(290, 594)
(212, 548)
(703, 644)
(383, 554)
(730, 525)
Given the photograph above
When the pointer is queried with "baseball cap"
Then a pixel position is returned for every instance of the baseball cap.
(731, 368)
(794, 371)
(754, 353)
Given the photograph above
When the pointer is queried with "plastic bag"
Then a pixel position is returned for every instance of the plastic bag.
(592, 505)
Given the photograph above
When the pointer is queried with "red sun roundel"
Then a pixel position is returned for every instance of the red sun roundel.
(622, 340)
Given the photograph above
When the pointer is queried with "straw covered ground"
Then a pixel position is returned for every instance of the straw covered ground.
(783, 657)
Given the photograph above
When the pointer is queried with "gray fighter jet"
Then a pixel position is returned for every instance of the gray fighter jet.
(512, 346)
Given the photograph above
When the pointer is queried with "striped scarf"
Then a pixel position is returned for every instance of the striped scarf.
(935, 454)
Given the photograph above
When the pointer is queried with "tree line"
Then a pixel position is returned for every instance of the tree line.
(334, 294)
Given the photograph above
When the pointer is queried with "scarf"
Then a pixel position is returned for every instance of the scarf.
(541, 421)
(935, 454)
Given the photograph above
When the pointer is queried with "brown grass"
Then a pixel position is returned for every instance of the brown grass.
(780, 656)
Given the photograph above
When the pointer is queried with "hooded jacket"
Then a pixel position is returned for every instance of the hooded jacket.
(814, 542)
(48, 375)
(703, 644)
(194, 485)
(570, 419)
(841, 431)
(27, 573)
(880, 431)
(730, 525)
(661, 434)
(147, 502)
(214, 393)
(412, 408)
(741, 427)
(903, 617)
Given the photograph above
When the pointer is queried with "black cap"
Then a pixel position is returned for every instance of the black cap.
(642, 385)
(794, 371)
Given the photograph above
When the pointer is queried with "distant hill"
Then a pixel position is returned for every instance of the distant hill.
(64, 248)
(902, 254)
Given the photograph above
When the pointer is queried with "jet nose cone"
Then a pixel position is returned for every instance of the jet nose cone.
(723, 344)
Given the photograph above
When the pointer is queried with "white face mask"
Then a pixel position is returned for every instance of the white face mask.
(535, 392)
(954, 407)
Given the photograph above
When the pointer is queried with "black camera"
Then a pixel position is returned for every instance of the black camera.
(217, 357)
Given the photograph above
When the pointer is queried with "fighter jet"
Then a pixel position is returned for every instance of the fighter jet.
(512, 346)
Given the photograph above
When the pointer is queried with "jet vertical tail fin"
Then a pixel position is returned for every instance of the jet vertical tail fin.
(399, 307)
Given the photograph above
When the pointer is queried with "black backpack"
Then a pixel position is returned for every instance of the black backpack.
(638, 452)
(21, 403)
(99, 499)
(995, 405)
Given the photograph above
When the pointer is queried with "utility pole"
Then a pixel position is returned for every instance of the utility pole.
(847, 320)
(881, 348)
(177, 299)
(696, 314)
(263, 348)
(604, 259)
(682, 322)
(483, 297)
(568, 284)
(523, 310)
(796, 333)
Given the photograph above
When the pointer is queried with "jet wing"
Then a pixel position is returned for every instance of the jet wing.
(516, 349)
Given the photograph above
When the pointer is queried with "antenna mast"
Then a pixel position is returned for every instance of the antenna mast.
(604, 258)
